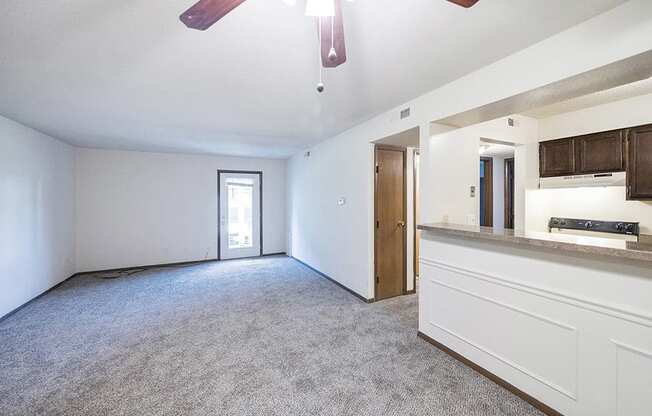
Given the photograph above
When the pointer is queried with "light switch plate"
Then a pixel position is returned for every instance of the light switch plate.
(472, 191)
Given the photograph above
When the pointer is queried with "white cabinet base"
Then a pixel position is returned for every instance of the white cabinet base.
(572, 332)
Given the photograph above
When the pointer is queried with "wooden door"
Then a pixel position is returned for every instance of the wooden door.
(390, 213)
(509, 193)
(639, 163)
(557, 158)
(486, 192)
(600, 152)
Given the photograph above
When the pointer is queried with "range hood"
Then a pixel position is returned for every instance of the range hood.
(580, 181)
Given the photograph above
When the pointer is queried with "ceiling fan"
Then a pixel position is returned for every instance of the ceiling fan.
(205, 13)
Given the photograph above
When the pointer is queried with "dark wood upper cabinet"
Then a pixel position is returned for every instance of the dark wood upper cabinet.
(627, 150)
(557, 157)
(639, 163)
(600, 152)
(591, 153)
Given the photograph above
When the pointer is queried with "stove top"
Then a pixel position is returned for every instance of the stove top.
(612, 227)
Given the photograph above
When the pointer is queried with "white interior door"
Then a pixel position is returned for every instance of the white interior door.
(240, 214)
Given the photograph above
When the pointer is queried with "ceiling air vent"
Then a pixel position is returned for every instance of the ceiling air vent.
(405, 113)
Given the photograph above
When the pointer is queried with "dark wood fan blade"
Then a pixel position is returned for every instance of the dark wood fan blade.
(464, 3)
(327, 38)
(206, 13)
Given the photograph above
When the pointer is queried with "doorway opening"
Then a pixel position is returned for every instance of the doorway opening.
(239, 214)
(496, 194)
(396, 242)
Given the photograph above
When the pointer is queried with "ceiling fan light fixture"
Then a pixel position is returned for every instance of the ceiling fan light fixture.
(320, 8)
(332, 55)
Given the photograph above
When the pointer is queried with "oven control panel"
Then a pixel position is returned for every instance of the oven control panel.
(613, 227)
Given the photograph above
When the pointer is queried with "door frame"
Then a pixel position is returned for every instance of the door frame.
(509, 192)
(416, 198)
(488, 192)
(403, 150)
(219, 213)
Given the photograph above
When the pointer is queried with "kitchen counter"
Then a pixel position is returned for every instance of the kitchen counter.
(598, 246)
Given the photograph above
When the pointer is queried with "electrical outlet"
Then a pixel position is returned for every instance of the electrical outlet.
(471, 220)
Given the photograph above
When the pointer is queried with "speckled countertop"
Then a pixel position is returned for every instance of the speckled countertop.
(597, 246)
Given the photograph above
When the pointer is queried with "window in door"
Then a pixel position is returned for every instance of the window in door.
(240, 214)
(240, 211)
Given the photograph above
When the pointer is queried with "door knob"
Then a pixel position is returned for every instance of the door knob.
(401, 224)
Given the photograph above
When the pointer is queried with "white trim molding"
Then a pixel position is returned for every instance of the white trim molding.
(630, 315)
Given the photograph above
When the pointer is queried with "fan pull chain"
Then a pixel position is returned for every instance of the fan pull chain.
(320, 85)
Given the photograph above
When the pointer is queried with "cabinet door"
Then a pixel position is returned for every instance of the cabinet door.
(639, 163)
(557, 158)
(600, 152)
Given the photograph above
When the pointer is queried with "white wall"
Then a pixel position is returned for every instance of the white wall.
(339, 241)
(451, 166)
(331, 238)
(37, 210)
(624, 113)
(594, 203)
(499, 191)
(137, 208)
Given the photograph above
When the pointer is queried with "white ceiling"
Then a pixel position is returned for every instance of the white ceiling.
(496, 150)
(129, 75)
(622, 92)
(407, 138)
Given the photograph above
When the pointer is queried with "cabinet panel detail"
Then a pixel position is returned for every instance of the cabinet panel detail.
(634, 378)
(601, 152)
(639, 163)
(549, 338)
(557, 157)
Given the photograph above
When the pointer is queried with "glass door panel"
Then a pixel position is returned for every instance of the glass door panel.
(239, 215)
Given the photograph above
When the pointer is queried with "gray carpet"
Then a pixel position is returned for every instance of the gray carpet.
(250, 337)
